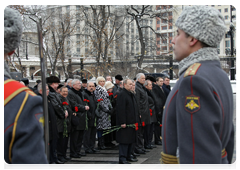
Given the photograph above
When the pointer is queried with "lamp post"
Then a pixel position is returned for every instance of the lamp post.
(231, 33)
(171, 67)
(81, 68)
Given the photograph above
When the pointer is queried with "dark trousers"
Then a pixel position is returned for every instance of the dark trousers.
(124, 151)
(146, 134)
(108, 138)
(62, 145)
(139, 143)
(157, 132)
(76, 140)
(52, 150)
(89, 138)
(151, 131)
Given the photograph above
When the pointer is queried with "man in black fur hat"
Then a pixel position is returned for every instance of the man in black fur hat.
(118, 78)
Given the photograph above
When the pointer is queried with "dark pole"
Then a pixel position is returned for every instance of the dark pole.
(81, 68)
(44, 94)
(231, 34)
(171, 67)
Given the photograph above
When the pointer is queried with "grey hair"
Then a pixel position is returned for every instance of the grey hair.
(100, 78)
(12, 29)
(125, 81)
(146, 82)
(139, 75)
(74, 81)
(69, 80)
(39, 87)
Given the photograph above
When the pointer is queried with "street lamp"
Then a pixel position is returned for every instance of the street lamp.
(81, 67)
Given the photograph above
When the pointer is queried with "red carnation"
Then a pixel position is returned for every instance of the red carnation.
(150, 113)
(101, 99)
(98, 100)
(115, 97)
(64, 103)
(110, 94)
(88, 101)
(85, 100)
(136, 124)
(160, 125)
(150, 110)
(76, 109)
(136, 128)
(143, 124)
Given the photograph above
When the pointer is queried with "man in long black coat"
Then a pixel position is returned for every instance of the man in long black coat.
(160, 102)
(126, 110)
(76, 100)
(90, 133)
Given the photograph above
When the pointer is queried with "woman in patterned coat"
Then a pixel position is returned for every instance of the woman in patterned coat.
(104, 121)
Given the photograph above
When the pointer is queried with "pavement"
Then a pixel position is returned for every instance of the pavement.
(108, 159)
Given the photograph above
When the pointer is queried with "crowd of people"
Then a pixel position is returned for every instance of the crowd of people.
(197, 123)
(80, 110)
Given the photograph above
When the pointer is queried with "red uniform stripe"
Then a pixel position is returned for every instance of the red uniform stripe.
(165, 143)
(8, 127)
(222, 113)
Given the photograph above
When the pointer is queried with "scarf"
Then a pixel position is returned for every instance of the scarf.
(203, 54)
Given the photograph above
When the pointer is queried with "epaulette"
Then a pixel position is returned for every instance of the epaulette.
(192, 70)
(12, 88)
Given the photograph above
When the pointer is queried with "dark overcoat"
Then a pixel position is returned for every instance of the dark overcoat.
(151, 101)
(160, 101)
(92, 105)
(142, 102)
(76, 100)
(198, 115)
(126, 111)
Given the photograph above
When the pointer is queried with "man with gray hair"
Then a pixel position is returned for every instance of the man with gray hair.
(143, 111)
(198, 116)
(23, 112)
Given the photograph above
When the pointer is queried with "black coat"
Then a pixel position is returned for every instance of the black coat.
(126, 111)
(92, 104)
(76, 99)
(166, 89)
(151, 101)
(53, 132)
(160, 101)
(142, 101)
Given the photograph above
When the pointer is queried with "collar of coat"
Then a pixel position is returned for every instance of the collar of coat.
(76, 92)
(88, 92)
(203, 54)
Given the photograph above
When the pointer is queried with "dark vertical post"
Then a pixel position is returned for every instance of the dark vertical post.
(171, 67)
(44, 95)
(81, 64)
(232, 34)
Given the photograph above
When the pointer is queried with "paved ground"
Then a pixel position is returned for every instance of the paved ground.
(110, 156)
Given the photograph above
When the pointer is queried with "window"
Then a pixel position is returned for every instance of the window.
(78, 42)
(164, 27)
(158, 28)
(226, 17)
(164, 48)
(158, 22)
(170, 27)
(78, 29)
(170, 14)
(219, 10)
(78, 50)
(225, 9)
(170, 34)
(164, 21)
(78, 36)
(227, 44)
(32, 68)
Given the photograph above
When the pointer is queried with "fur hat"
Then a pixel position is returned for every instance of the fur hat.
(151, 78)
(119, 77)
(53, 79)
(12, 29)
(108, 85)
(84, 80)
(25, 81)
(203, 23)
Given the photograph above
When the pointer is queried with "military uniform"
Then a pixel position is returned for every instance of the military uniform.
(197, 120)
(23, 125)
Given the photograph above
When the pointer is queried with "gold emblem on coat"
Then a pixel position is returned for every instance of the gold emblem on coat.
(192, 103)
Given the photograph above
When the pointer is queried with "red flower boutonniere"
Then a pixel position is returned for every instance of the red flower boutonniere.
(143, 124)
(115, 97)
(136, 126)
(160, 125)
(76, 109)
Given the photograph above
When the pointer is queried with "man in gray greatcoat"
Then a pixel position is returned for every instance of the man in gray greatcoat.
(198, 114)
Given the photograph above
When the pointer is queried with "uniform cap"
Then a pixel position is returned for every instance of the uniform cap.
(203, 23)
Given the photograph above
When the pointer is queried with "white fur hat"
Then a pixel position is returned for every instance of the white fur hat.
(12, 29)
(109, 85)
(203, 23)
